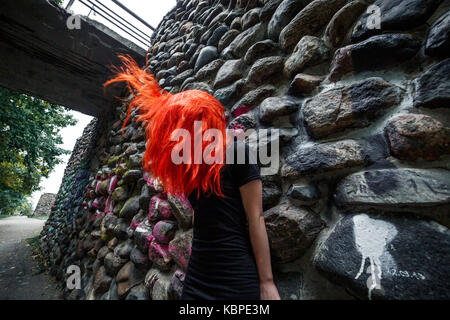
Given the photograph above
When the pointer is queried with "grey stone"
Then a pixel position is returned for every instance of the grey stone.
(250, 18)
(291, 231)
(228, 72)
(304, 84)
(180, 248)
(268, 9)
(160, 289)
(138, 293)
(127, 278)
(179, 79)
(113, 263)
(164, 231)
(227, 38)
(394, 189)
(229, 94)
(375, 53)
(395, 15)
(206, 55)
(264, 68)
(217, 35)
(130, 208)
(259, 50)
(198, 86)
(341, 22)
(123, 250)
(131, 176)
(432, 89)
(309, 21)
(414, 136)
(176, 285)
(245, 121)
(182, 210)
(254, 97)
(387, 257)
(209, 70)
(303, 194)
(135, 161)
(283, 14)
(274, 107)
(121, 229)
(308, 52)
(438, 41)
(271, 191)
(139, 259)
(325, 157)
(101, 281)
(353, 106)
(243, 41)
(141, 234)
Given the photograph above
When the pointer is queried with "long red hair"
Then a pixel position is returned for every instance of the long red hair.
(163, 113)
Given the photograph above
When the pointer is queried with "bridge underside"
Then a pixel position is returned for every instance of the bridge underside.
(40, 56)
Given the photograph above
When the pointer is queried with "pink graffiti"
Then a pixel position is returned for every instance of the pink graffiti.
(112, 184)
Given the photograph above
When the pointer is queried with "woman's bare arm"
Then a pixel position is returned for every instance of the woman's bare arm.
(251, 194)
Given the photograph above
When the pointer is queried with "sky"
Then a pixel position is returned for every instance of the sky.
(151, 11)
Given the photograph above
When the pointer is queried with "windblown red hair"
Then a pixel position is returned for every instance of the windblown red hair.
(165, 112)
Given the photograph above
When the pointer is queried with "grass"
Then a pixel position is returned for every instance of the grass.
(37, 255)
(2, 216)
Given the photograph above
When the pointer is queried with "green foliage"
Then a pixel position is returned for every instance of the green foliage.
(29, 139)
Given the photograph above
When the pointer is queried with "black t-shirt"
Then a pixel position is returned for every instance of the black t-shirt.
(222, 264)
(215, 216)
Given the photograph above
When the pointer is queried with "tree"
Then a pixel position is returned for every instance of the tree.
(29, 139)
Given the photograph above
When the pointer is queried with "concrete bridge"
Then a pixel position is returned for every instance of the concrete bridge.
(41, 56)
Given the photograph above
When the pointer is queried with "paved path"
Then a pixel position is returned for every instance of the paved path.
(16, 279)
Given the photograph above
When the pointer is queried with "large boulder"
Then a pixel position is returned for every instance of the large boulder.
(325, 157)
(354, 106)
(274, 107)
(239, 46)
(180, 248)
(101, 281)
(283, 15)
(387, 257)
(291, 231)
(375, 53)
(229, 72)
(394, 15)
(438, 41)
(206, 55)
(308, 52)
(341, 22)
(309, 21)
(414, 136)
(432, 89)
(182, 210)
(130, 208)
(394, 189)
(264, 68)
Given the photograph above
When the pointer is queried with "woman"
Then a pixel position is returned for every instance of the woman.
(230, 257)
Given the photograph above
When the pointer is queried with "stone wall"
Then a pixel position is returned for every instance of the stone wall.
(359, 205)
(44, 205)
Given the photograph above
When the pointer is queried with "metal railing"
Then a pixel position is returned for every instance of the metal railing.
(117, 20)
